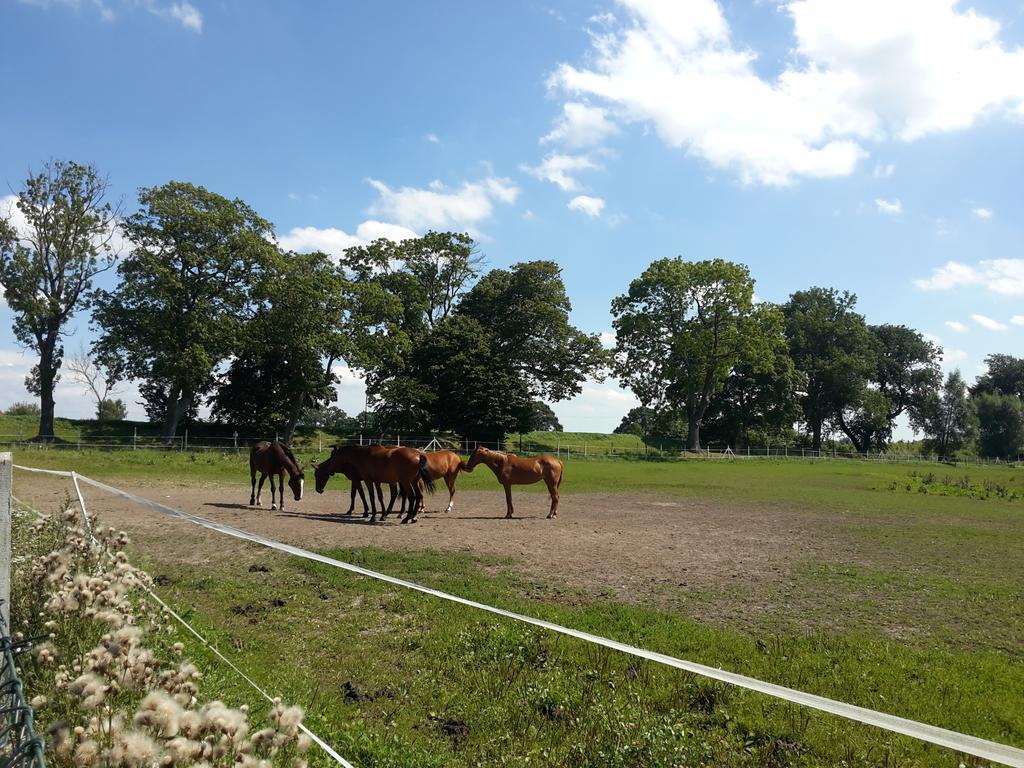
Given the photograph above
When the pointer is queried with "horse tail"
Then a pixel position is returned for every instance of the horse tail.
(428, 481)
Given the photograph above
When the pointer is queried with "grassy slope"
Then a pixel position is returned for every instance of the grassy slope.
(941, 573)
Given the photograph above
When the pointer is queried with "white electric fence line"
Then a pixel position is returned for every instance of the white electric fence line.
(960, 742)
(319, 742)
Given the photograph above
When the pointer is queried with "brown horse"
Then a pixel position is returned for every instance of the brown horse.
(445, 464)
(404, 467)
(274, 459)
(512, 470)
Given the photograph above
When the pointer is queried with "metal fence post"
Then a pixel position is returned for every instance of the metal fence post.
(135, 438)
(6, 479)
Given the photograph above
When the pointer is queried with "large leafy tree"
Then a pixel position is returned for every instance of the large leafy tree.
(310, 316)
(1001, 420)
(47, 268)
(525, 311)
(185, 292)
(832, 348)
(903, 373)
(1005, 376)
(947, 418)
(647, 422)
(427, 276)
(694, 322)
(756, 407)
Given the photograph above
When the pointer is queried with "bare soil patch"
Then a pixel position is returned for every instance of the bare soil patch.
(660, 550)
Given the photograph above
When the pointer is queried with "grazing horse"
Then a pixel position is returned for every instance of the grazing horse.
(404, 467)
(274, 459)
(512, 470)
(445, 464)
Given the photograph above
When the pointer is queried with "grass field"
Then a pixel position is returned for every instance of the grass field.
(919, 611)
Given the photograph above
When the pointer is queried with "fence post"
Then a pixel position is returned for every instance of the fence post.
(6, 479)
(135, 438)
(399, 438)
(584, 448)
(235, 438)
(184, 444)
(79, 438)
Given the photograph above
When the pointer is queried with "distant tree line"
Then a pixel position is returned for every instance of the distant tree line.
(208, 309)
(708, 362)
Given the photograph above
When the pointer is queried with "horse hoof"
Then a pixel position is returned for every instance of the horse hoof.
(273, 507)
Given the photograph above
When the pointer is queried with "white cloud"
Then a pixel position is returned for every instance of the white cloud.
(440, 207)
(883, 171)
(560, 168)
(956, 325)
(598, 408)
(952, 357)
(889, 207)
(184, 13)
(591, 206)
(188, 15)
(982, 213)
(432, 138)
(859, 72)
(1017, 320)
(1001, 276)
(529, 215)
(335, 241)
(989, 323)
(607, 339)
(581, 126)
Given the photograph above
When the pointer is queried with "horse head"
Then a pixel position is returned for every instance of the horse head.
(322, 472)
(478, 456)
(295, 483)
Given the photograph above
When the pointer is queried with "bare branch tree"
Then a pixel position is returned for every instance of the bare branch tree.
(86, 372)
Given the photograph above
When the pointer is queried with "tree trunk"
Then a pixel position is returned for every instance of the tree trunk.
(693, 435)
(47, 379)
(177, 400)
(293, 417)
(816, 435)
(862, 445)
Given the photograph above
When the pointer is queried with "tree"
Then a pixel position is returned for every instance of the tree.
(693, 322)
(47, 269)
(86, 372)
(646, 422)
(755, 407)
(1005, 376)
(310, 317)
(472, 390)
(184, 294)
(947, 417)
(1001, 419)
(830, 345)
(903, 372)
(23, 409)
(111, 410)
(540, 418)
(525, 311)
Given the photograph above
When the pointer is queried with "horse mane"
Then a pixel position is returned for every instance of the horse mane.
(291, 456)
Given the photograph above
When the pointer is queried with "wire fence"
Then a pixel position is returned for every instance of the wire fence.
(601, 447)
(20, 746)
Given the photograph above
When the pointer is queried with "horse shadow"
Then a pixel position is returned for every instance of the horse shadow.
(224, 505)
(331, 518)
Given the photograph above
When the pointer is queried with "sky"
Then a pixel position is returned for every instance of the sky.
(866, 145)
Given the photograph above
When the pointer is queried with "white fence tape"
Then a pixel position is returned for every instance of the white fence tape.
(971, 745)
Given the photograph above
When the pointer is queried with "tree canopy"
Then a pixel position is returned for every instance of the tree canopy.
(692, 323)
(47, 269)
(185, 292)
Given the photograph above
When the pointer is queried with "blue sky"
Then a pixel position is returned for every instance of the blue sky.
(871, 146)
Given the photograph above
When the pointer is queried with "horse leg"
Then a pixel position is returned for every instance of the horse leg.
(280, 489)
(393, 490)
(259, 491)
(362, 497)
(352, 497)
(449, 480)
(373, 504)
(416, 502)
(508, 500)
(252, 496)
(273, 502)
(553, 490)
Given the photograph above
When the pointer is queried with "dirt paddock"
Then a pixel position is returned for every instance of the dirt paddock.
(637, 548)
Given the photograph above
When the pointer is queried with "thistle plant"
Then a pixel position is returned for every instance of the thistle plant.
(109, 686)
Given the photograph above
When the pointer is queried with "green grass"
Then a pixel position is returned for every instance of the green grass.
(914, 606)
(435, 684)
